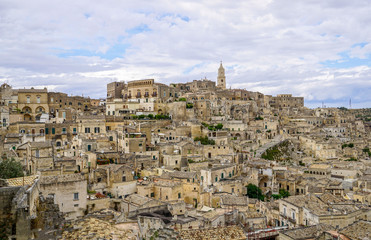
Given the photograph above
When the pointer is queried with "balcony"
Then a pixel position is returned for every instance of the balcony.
(154, 94)
(138, 95)
(129, 96)
(146, 94)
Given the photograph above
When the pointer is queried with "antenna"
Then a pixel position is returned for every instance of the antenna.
(350, 103)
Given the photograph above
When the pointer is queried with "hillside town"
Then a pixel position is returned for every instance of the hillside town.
(194, 160)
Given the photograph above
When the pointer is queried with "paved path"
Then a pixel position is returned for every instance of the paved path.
(276, 140)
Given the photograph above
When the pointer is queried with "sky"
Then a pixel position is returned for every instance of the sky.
(316, 49)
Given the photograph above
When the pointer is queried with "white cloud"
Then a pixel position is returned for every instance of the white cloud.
(267, 46)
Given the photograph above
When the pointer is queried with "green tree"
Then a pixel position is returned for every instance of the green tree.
(254, 191)
(219, 126)
(284, 193)
(10, 168)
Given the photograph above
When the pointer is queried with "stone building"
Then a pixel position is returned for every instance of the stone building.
(33, 103)
(68, 191)
(19, 199)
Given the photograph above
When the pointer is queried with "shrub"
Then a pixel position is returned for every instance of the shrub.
(254, 191)
(10, 168)
(205, 140)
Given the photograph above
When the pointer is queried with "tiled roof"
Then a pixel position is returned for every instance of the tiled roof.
(307, 232)
(21, 181)
(230, 232)
(93, 228)
(358, 230)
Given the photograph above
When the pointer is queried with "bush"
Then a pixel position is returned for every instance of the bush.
(10, 168)
(205, 140)
(189, 105)
(284, 193)
(182, 99)
(161, 116)
(254, 191)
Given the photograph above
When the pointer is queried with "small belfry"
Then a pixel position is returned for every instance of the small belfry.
(221, 77)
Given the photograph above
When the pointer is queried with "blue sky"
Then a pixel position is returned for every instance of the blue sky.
(319, 50)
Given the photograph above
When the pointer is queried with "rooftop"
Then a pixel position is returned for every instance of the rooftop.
(230, 232)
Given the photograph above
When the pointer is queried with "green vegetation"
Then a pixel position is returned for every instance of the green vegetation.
(259, 118)
(217, 127)
(150, 116)
(272, 153)
(282, 194)
(205, 140)
(10, 168)
(352, 159)
(301, 163)
(91, 192)
(254, 191)
(350, 145)
(191, 161)
(189, 105)
(367, 150)
(182, 99)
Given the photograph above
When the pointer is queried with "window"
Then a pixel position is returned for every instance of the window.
(152, 195)
(96, 130)
(76, 196)
(46, 130)
(123, 178)
(38, 99)
(28, 99)
(74, 130)
(37, 153)
(64, 130)
(87, 130)
(179, 195)
(53, 130)
(89, 147)
(59, 144)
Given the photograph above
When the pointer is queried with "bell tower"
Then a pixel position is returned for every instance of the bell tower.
(221, 77)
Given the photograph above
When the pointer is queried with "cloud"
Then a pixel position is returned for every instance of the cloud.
(316, 49)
